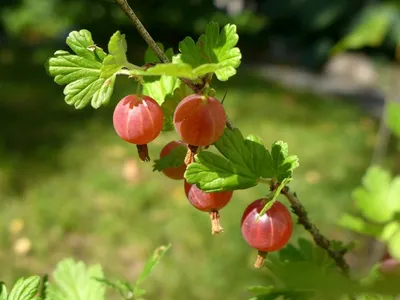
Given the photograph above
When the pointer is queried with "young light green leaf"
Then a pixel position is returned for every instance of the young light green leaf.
(161, 88)
(3, 291)
(75, 281)
(244, 162)
(25, 288)
(168, 92)
(215, 48)
(152, 262)
(377, 198)
(173, 159)
(116, 60)
(81, 72)
(393, 117)
(394, 245)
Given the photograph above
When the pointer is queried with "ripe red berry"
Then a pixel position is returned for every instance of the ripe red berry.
(208, 202)
(173, 172)
(138, 120)
(199, 120)
(271, 232)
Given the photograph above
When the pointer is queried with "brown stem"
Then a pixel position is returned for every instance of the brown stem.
(123, 4)
(260, 259)
(215, 223)
(143, 152)
(319, 239)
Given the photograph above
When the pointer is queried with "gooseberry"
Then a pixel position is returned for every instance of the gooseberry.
(173, 172)
(138, 120)
(271, 232)
(208, 202)
(199, 120)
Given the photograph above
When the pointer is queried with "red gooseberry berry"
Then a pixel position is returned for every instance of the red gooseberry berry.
(199, 120)
(138, 120)
(173, 172)
(208, 202)
(270, 232)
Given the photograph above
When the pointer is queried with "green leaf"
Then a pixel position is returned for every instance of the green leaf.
(152, 262)
(370, 30)
(170, 103)
(394, 245)
(306, 251)
(235, 170)
(75, 281)
(282, 164)
(214, 51)
(3, 291)
(168, 92)
(393, 117)
(357, 224)
(25, 288)
(308, 270)
(244, 162)
(116, 60)
(174, 159)
(81, 72)
(160, 89)
(151, 57)
(377, 198)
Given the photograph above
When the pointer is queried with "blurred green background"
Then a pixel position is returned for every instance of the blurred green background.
(69, 186)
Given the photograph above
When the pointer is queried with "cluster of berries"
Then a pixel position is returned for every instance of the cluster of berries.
(200, 121)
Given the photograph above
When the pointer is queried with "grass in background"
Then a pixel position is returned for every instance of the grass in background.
(69, 186)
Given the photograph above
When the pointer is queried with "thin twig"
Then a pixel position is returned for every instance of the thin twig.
(149, 40)
(142, 30)
(123, 4)
(319, 239)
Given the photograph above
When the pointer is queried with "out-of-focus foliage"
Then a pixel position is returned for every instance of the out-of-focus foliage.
(311, 25)
(377, 201)
(371, 26)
